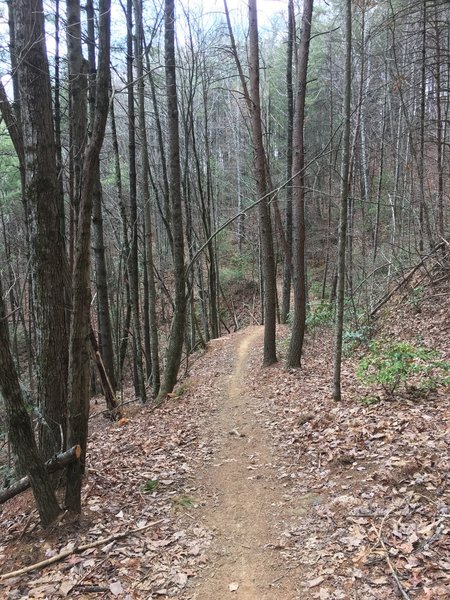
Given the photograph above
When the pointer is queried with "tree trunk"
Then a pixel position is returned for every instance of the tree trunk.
(267, 251)
(78, 85)
(345, 169)
(145, 189)
(298, 194)
(133, 259)
(45, 205)
(124, 335)
(287, 266)
(440, 137)
(20, 429)
(104, 317)
(80, 330)
(175, 348)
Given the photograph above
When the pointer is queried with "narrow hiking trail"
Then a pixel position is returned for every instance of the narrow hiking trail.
(244, 503)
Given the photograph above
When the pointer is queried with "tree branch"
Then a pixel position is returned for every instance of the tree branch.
(54, 464)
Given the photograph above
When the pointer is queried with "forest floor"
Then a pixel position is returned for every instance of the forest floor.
(251, 483)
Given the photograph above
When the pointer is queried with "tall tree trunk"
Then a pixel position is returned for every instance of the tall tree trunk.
(165, 209)
(45, 205)
(421, 158)
(104, 317)
(57, 114)
(287, 266)
(133, 261)
(345, 170)
(78, 85)
(440, 138)
(124, 336)
(175, 348)
(267, 251)
(298, 194)
(79, 375)
(145, 189)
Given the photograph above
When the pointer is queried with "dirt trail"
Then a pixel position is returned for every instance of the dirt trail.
(244, 495)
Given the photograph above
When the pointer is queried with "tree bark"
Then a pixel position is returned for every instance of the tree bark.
(20, 429)
(145, 188)
(78, 86)
(104, 318)
(345, 169)
(175, 347)
(287, 265)
(80, 329)
(298, 195)
(124, 335)
(267, 251)
(45, 205)
(133, 263)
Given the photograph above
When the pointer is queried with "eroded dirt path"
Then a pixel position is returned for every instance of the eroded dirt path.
(244, 499)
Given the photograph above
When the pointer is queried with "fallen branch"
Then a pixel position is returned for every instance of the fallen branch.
(56, 463)
(401, 589)
(114, 409)
(76, 550)
(107, 410)
(90, 588)
(405, 280)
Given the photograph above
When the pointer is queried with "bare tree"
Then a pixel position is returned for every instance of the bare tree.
(150, 305)
(298, 194)
(267, 251)
(345, 170)
(45, 205)
(104, 317)
(79, 373)
(287, 266)
(252, 97)
(175, 347)
(133, 262)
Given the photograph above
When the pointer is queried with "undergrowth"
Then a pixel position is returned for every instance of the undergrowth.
(392, 364)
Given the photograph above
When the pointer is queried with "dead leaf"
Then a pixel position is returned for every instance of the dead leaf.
(66, 587)
(116, 588)
(315, 582)
(180, 579)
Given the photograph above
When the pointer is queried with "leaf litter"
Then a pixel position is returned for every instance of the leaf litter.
(365, 509)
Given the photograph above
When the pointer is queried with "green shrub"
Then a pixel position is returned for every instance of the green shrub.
(415, 297)
(369, 400)
(390, 364)
(320, 313)
(353, 339)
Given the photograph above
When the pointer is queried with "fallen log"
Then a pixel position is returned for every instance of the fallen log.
(114, 410)
(56, 463)
(77, 550)
(405, 280)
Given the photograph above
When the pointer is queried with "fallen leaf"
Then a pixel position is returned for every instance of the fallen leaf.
(65, 587)
(116, 588)
(314, 582)
(180, 579)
